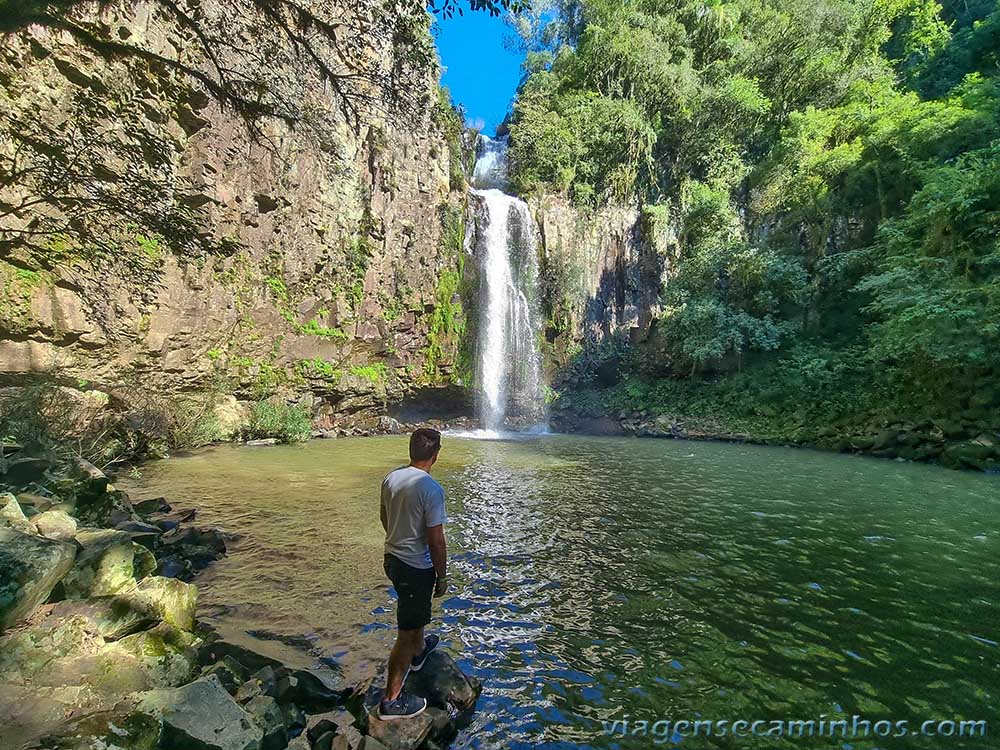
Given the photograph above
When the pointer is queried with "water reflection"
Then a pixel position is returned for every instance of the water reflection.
(597, 578)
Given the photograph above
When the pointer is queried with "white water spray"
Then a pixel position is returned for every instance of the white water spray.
(509, 367)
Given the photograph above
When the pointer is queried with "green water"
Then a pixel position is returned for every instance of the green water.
(599, 579)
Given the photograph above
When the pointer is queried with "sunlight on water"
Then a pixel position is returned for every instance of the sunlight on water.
(595, 578)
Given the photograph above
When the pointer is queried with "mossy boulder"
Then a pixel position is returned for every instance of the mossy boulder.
(167, 655)
(30, 567)
(172, 601)
(106, 564)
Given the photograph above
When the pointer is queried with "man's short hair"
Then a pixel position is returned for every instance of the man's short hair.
(424, 444)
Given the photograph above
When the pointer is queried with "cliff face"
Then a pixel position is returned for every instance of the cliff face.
(213, 196)
(602, 272)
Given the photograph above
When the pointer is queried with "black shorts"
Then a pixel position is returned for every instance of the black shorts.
(414, 587)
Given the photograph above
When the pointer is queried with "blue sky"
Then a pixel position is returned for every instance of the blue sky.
(479, 72)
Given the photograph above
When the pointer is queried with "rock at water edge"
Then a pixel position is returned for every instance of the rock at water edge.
(443, 683)
(202, 715)
(105, 565)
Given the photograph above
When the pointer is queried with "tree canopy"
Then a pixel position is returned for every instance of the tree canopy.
(831, 168)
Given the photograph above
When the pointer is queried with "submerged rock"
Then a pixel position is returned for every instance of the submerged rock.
(202, 715)
(30, 567)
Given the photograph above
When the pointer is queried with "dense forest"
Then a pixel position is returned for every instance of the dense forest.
(831, 172)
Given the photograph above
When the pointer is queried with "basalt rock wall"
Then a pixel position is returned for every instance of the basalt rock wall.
(602, 272)
(206, 196)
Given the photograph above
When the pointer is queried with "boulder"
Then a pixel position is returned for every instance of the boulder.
(295, 718)
(93, 481)
(317, 689)
(104, 566)
(12, 517)
(30, 567)
(22, 471)
(110, 617)
(172, 601)
(142, 533)
(267, 713)
(443, 683)
(165, 655)
(229, 672)
(202, 715)
(104, 729)
(174, 566)
(55, 524)
(331, 721)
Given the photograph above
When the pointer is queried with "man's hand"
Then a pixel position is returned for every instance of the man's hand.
(441, 586)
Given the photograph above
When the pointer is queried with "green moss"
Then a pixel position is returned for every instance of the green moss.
(18, 286)
(315, 328)
(278, 288)
(319, 368)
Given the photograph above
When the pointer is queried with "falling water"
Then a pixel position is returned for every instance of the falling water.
(509, 368)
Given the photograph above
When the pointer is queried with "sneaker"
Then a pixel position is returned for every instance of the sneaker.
(406, 706)
(430, 643)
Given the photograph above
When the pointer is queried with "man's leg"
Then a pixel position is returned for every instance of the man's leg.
(408, 644)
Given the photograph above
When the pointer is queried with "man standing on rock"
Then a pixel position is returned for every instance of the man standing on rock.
(413, 517)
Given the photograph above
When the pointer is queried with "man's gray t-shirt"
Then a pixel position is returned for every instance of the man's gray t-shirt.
(413, 502)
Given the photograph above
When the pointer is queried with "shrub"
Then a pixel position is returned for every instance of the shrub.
(286, 422)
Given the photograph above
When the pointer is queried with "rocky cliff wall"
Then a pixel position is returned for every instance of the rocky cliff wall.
(602, 272)
(203, 196)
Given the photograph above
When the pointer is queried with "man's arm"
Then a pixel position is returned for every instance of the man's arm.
(439, 556)
(381, 508)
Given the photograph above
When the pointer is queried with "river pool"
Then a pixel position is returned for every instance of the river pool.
(602, 580)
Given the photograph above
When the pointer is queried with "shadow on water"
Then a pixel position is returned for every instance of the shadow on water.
(599, 579)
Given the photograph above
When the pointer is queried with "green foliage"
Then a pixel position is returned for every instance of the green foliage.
(375, 373)
(275, 419)
(828, 167)
(278, 288)
(319, 368)
(315, 328)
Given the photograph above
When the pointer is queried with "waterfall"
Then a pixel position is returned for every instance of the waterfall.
(506, 248)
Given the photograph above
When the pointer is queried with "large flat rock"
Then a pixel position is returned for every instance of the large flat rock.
(202, 716)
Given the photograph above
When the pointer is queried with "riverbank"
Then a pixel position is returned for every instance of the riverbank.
(956, 443)
(100, 642)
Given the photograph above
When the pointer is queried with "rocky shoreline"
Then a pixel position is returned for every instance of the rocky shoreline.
(953, 445)
(100, 646)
